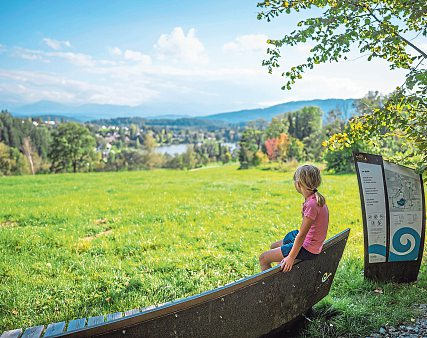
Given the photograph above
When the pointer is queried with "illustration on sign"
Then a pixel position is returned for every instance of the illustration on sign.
(404, 192)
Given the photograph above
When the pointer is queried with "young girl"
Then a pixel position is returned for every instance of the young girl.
(306, 243)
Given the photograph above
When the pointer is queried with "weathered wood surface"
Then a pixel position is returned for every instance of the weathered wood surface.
(33, 332)
(113, 316)
(250, 307)
(132, 312)
(12, 333)
(76, 324)
(95, 320)
(54, 329)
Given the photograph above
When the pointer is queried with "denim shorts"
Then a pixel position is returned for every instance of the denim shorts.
(288, 243)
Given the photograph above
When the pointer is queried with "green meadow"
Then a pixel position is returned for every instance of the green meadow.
(79, 245)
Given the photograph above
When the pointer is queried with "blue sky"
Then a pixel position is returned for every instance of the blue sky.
(194, 57)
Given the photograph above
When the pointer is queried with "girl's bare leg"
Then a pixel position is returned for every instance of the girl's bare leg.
(276, 244)
(270, 256)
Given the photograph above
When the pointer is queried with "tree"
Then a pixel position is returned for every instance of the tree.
(369, 102)
(28, 152)
(12, 162)
(151, 158)
(249, 145)
(278, 125)
(283, 143)
(380, 29)
(296, 150)
(271, 147)
(149, 143)
(72, 147)
(305, 122)
(189, 158)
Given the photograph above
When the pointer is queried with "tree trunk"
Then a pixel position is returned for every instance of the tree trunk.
(26, 148)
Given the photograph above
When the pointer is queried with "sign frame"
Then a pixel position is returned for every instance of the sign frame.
(388, 271)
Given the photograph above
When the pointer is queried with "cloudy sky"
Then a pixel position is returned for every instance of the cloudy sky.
(194, 57)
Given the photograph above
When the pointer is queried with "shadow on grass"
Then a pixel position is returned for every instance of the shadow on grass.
(298, 326)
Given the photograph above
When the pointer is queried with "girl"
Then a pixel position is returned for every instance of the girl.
(306, 243)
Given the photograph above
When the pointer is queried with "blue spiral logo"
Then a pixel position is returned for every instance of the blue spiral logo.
(405, 248)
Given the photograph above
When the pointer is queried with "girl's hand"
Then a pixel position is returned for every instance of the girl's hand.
(287, 263)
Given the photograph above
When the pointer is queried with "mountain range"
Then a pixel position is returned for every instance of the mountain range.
(89, 112)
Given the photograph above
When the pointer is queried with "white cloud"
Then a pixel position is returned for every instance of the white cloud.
(116, 51)
(137, 56)
(28, 54)
(56, 44)
(247, 43)
(77, 59)
(178, 47)
(27, 86)
(31, 56)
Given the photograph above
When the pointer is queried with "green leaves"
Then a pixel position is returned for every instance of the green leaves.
(72, 148)
(378, 29)
(370, 24)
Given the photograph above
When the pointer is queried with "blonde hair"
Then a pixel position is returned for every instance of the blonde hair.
(308, 176)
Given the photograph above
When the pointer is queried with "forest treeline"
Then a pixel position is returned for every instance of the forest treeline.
(301, 136)
(35, 145)
(32, 145)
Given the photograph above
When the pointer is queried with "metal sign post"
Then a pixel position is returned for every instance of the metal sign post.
(394, 218)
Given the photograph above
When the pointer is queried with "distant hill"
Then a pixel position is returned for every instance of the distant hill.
(161, 122)
(85, 112)
(90, 112)
(344, 105)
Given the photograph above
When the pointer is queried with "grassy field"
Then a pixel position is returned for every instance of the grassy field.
(77, 245)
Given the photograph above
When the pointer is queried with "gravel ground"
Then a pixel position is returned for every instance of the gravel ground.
(414, 329)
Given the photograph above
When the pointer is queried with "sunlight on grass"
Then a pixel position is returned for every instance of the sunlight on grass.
(88, 244)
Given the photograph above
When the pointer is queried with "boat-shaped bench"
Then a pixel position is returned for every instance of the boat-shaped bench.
(249, 307)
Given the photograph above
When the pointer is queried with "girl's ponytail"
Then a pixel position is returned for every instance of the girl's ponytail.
(320, 199)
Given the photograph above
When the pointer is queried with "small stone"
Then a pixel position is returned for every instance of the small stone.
(413, 330)
(383, 330)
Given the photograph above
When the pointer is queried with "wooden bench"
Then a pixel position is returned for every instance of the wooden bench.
(249, 307)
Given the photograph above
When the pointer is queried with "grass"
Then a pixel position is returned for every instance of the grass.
(78, 245)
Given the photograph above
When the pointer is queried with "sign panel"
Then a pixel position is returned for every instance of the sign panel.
(404, 190)
(371, 177)
(393, 209)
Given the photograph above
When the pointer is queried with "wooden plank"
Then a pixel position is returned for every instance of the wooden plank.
(132, 312)
(95, 320)
(151, 307)
(54, 329)
(113, 316)
(33, 332)
(11, 333)
(76, 324)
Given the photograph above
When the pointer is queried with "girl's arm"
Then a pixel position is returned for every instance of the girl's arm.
(288, 261)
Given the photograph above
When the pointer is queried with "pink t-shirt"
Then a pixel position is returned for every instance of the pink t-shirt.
(317, 234)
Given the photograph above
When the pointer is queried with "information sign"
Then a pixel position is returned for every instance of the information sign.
(393, 209)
